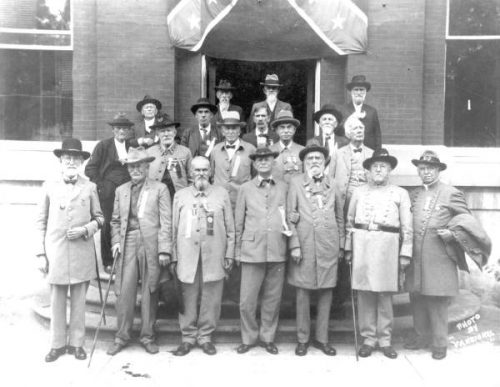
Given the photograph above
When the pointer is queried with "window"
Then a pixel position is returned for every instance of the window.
(36, 90)
(472, 108)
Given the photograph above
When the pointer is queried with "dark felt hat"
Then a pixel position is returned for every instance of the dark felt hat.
(164, 121)
(359, 80)
(120, 120)
(263, 152)
(148, 99)
(271, 80)
(429, 158)
(328, 108)
(285, 117)
(313, 148)
(224, 84)
(72, 146)
(137, 155)
(381, 155)
(203, 102)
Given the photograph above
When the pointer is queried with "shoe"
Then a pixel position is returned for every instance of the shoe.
(438, 353)
(54, 354)
(301, 349)
(326, 348)
(244, 348)
(115, 348)
(270, 347)
(208, 348)
(151, 348)
(183, 349)
(416, 344)
(79, 352)
(389, 352)
(365, 350)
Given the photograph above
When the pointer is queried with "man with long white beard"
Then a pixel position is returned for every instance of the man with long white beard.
(203, 252)
(224, 92)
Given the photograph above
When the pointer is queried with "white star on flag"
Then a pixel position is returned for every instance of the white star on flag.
(194, 22)
(338, 22)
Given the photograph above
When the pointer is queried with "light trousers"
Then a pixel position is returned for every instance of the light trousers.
(303, 300)
(376, 317)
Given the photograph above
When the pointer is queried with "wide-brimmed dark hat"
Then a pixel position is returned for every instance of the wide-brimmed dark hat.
(164, 121)
(263, 152)
(380, 155)
(231, 118)
(285, 117)
(137, 155)
(359, 80)
(271, 80)
(224, 84)
(430, 158)
(313, 148)
(71, 146)
(203, 102)
(120, 119)
(328, 108)
(148, 99)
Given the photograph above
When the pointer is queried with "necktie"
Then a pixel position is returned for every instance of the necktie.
(262, 135)
(70, 181)
(327, 143)
(318, 179)
(203, 134)
(265, 182)
(357, 150)
(230, 146)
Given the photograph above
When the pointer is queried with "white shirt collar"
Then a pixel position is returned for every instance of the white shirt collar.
(121, 149)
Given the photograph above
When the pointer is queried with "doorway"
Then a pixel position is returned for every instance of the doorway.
(297, 78)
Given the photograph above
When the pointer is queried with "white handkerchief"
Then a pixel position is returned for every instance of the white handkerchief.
(236, 166)
(142, 204)
(210, 147)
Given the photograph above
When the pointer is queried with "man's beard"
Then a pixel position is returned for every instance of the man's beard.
(201, 183)
(272, 97)
(315, 170)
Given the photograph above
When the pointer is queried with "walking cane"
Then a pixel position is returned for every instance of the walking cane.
(115, 259)
(354, 314)
(100, 288)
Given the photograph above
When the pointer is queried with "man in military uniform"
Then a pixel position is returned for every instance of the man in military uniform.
(317, 243)
(288, 163)
(432, 277)
(379, 241)
(261, 246)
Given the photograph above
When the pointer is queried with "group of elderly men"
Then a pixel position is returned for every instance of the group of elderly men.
(193, 210)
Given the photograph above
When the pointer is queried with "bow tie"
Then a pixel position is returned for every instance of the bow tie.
(318, 179)
(200, 194)
(262, 135)
(266, 181)
(230, 146)
(357, 150)
(70, 181)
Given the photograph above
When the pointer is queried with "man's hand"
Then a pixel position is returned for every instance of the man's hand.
(445, 234)
(348, 256)
(228, 264)
(43, 264)
(172, 268)
(114, 249)
(75, 233)
(293, 217)
(296, 255)
(237, 261)
(404, 262)
(164, 259)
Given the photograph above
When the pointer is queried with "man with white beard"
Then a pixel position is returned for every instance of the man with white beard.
(224, 92)
(203, 252)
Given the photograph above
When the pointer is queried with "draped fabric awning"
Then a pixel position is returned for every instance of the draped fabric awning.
(268, 30)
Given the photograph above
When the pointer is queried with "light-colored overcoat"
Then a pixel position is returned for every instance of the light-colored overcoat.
(259, 222)
(319, 232)
(433, 272)
(190, 238)
(176, 158)
(62, 207)
(375, 265)
(154, 213)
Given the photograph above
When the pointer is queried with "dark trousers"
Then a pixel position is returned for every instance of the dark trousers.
(107, 210)
(430, 318)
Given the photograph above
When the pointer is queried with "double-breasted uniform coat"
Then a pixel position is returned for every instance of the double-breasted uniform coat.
(288, 163)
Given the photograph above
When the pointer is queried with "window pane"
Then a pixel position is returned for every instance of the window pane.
(35, 14)
(472, 112)
(474, 17)
(36, 95)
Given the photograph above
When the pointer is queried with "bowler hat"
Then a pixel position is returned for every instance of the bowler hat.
(224, 84)
(163, 121)
(325, 109)
(120, 119)
(137, 155)
(148, 99)
(203, 102)
(359, 80)
(285, 117)
(271, 80)
(231, 118)
(380, 155)
(313, 148)
(263, 152)
(429, 158)
(72, 146)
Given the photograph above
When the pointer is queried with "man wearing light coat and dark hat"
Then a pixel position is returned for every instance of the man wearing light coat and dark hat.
(379, 242)
(316, 244)
(69, 216)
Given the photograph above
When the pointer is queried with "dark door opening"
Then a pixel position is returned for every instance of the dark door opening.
(297, 78)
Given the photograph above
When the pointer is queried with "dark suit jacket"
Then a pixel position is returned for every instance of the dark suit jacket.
(373, 136)
(280, 105)
(251, 137)
(140, 131)
(231, 108)
(191, 138)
